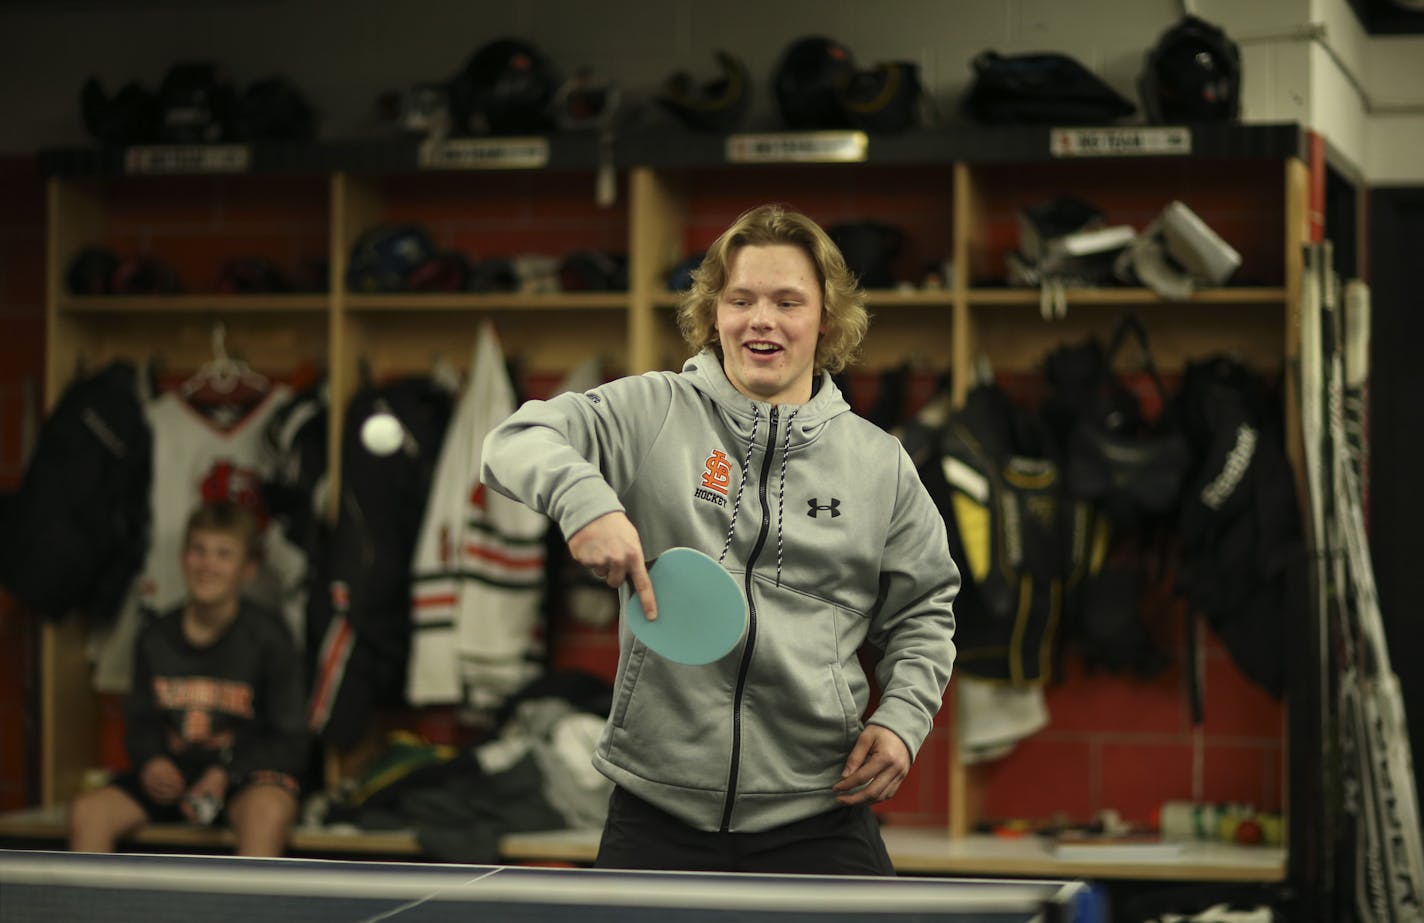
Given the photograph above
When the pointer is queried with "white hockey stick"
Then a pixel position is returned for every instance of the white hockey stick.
(1375, 766)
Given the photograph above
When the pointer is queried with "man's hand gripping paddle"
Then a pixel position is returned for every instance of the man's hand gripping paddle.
(701, 615)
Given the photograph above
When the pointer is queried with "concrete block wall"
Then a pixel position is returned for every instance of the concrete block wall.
(344, 55)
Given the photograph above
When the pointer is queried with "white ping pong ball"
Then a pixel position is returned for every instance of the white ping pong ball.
(382, 434)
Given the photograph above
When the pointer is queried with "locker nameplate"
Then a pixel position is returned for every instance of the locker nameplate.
(485, 154)
(162, 159)
(799, 147)
(1156, 141)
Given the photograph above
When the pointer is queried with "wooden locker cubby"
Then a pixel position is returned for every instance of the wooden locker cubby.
(955, 193)
(188, 222)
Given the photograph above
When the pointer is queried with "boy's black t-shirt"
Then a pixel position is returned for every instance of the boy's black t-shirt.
(239, 701)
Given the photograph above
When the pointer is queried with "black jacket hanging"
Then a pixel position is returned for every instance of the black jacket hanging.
(75, 534)
(1240, 525)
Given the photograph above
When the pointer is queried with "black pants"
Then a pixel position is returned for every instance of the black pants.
(842, 841)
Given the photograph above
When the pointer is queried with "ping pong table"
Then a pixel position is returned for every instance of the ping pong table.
(139, 888)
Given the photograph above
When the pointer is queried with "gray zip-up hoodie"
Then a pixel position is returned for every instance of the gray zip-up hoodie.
(823, 520)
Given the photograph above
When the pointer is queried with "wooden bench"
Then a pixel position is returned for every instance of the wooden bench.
(46, 826)
(915, 851)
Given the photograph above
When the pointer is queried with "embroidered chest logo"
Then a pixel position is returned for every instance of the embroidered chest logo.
(716, 479)
(817, 507)
(226, 480)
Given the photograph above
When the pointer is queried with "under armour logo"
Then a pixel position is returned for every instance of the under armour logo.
(834, 507)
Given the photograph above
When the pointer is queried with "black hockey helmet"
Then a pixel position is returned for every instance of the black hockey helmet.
(884, 99)
(1193, 74)
(274, 109)
(252, 275)
(91, 272)
(130, 116)
(584, 101)
(505, 89)
(807, 75)
(494, 274)
(145, 274)
(383, 257)
(196, 105)
(447, 271)
(593, 271)
(869, 249)
(714, 105)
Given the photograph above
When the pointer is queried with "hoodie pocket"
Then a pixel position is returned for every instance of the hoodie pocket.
(803, 702)
(630, 682)
(848, 710)
(672, 722)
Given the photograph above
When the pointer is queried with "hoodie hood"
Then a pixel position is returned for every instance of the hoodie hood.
(706, 374)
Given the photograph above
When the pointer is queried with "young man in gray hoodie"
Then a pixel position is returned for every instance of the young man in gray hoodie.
(765, 760)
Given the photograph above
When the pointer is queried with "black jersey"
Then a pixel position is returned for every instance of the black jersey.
(238, 702)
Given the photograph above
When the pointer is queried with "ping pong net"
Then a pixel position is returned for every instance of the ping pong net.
(139, 888)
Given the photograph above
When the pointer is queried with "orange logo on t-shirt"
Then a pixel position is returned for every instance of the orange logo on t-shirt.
(719, 472)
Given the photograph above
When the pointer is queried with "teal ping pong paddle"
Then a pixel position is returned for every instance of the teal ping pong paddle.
(702, 613)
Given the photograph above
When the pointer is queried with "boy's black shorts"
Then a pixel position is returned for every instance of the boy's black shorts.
(130, 784)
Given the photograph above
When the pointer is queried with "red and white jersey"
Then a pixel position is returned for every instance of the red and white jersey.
(478, 568)
(195, 459)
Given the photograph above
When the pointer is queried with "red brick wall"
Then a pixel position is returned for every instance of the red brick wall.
(1119, 743)
(22, 340)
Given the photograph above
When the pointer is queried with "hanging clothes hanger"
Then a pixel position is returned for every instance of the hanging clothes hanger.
(445, 373)
(983, 370)
(224, 379)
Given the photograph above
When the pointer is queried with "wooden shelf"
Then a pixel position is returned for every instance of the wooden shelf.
(1143, 297)
(654, 147)
(192, 304)
(915, 298)
(874, 298)
(561, 301)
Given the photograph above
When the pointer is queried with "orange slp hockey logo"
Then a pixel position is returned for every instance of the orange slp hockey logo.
(716, 479)
(719, 472)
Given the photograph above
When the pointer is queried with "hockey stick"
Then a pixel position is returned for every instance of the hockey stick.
(1376, 773)
(1311, 389)
(1392, 815)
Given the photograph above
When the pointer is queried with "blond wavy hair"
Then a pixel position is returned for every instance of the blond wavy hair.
(842, 301)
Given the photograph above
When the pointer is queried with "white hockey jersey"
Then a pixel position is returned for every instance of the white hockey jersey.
(195, 459)
(478, 568)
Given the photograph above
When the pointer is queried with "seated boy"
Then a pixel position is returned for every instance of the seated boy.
(215, 722)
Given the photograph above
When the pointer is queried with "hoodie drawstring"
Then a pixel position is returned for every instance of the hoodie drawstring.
(781, 491)
(741, 483)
